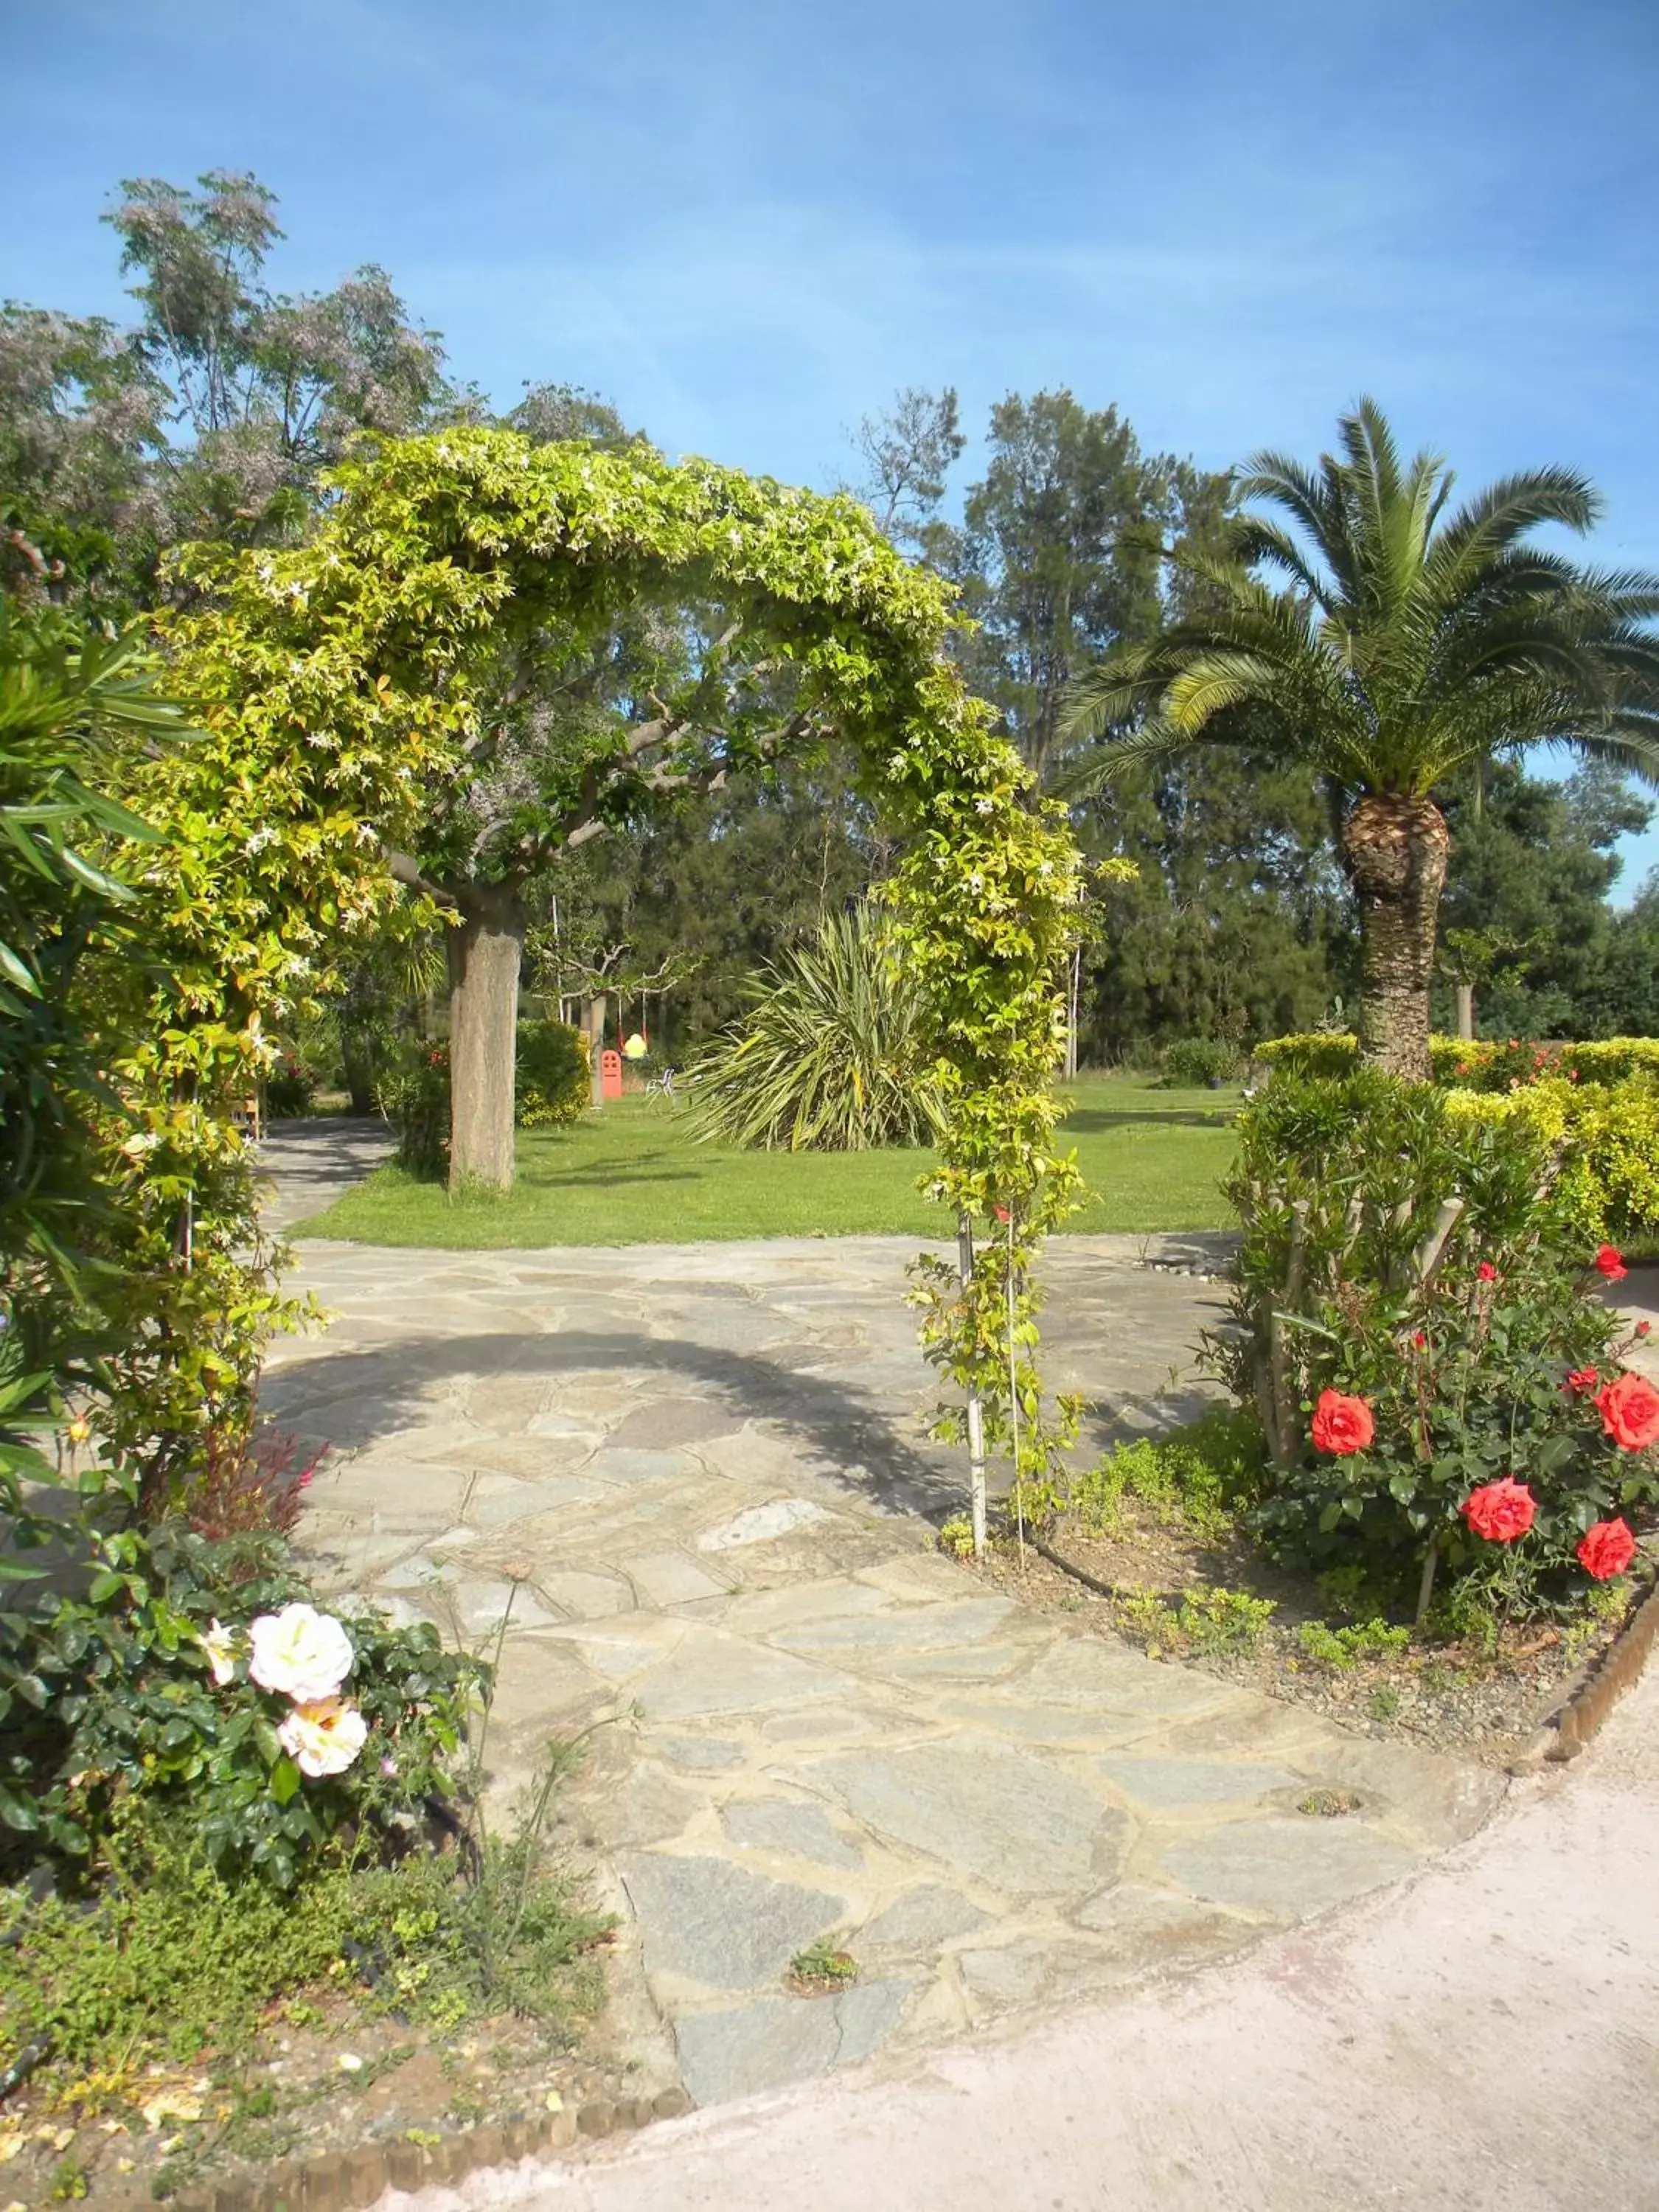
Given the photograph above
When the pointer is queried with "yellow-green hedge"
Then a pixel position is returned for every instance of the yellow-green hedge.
(1597, 1104)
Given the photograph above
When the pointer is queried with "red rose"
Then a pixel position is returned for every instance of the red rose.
(1419, 1339)
(1606, 1551)
(1001, 1213)
(1643, 1326)
(1609, 1263)
(1486, 1272)
(1342, 1424)
(1500, 1511)
(1581, 1382)
(1630, 1413)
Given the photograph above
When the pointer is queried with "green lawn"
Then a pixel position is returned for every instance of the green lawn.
(1151, 1158)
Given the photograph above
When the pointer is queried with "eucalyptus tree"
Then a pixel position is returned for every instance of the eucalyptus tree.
(1407, 644)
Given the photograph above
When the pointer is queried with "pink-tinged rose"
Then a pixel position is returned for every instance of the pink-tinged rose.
(1500, 1511)
(1609, 1262)
(1342, 1424)
(300, 1653)
(220, 1644)
(1607, 1550)
(1630, 1412)
(323, 1737)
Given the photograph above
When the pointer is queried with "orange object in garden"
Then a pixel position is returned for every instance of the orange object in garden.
(610, 1073)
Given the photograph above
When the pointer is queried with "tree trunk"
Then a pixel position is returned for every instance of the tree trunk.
(1465, 1012)
(484, 953)
(1395, 851)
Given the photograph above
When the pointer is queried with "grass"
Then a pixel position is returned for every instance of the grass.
(1152, 1160)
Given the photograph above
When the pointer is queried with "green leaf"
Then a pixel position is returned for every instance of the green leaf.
(285, 1780)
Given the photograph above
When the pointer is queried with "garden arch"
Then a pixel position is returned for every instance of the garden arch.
(349, 671)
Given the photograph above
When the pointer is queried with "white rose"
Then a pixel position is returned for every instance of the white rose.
(220, 1644)
(323, 1737)
(300, 1653)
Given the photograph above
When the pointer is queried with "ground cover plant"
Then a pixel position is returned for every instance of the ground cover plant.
(1150, 1157)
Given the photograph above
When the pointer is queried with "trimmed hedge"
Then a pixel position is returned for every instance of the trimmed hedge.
(1595, 1105)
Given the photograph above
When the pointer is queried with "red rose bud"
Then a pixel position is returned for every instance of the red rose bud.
(1486, 1272)
(1500, 1511)
(1630, 1413)
(1609, 1263)
(1643, 1326)
(1419, 1339)
(1342, 1424)
(1607, 1550)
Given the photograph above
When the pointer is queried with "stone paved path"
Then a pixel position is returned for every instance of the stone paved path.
(700, 1470)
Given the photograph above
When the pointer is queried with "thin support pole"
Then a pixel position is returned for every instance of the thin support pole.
(975, 1408)
(1013, 1402)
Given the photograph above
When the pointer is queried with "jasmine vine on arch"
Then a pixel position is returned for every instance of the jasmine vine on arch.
(343, 688)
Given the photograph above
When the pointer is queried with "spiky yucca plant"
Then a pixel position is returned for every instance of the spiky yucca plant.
(830, 1057)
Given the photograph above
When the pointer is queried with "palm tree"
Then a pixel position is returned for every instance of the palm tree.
(1404, 647)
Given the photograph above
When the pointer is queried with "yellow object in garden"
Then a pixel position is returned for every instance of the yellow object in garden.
(636, 1047)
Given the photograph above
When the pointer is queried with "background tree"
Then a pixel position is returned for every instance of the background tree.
(1532, 864)
(1405, 648)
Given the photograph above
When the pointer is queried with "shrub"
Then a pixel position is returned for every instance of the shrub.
(413, 1097)
(1406, 1276)
(551, 1088)
(832, 1056)
(1191, 1063)
(1314, 1052)
(1597, 1106)
(142, 1690)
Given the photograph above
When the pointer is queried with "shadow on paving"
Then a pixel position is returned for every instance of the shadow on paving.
(365, 1396)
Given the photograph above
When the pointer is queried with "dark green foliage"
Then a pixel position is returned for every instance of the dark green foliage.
(413, 1094)
(1340, 1186)
(290, 1089)
(552, 1086)
(1533, 863)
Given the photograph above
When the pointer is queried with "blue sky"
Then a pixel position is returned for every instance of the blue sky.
(747, 223)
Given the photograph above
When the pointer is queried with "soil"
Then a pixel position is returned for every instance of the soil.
(321, 2076)
(1446, 1696)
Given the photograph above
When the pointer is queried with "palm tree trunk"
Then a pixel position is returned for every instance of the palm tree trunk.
(1394, 850)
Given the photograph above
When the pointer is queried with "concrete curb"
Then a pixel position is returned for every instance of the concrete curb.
(346, 2181)
(1584, 1712)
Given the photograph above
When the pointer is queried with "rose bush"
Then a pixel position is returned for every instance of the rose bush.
(199, 1678)
(1418, 1334)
